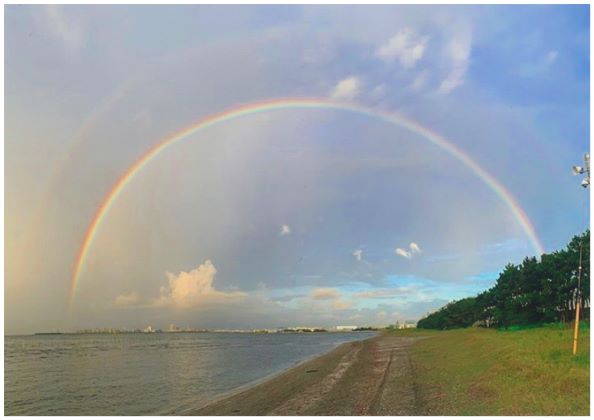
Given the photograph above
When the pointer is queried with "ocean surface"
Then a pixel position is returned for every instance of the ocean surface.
(130, 374)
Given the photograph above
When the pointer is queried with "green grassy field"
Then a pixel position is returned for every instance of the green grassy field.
(477, 371)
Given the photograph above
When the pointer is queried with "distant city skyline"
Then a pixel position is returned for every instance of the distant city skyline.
(398, 324)
(240, 167)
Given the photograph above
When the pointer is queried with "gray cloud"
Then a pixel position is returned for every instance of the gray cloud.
(64, 26)
(224, 193)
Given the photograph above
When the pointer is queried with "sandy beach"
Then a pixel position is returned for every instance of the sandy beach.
(371, 377)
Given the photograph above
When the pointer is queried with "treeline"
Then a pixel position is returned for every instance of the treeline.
(529, 293)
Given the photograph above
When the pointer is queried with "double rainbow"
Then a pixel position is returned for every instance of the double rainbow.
(293, 103)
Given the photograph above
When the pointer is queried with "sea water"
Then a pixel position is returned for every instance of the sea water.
(131, 374)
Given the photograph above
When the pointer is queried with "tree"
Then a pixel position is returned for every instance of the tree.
(529, 293)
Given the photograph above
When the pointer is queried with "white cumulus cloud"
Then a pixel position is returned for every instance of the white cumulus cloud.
(413, 248)
(347, 88)
(194, 288)
(403, 253)
(406, 47)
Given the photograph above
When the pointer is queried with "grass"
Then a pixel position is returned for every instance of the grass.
(477, 371)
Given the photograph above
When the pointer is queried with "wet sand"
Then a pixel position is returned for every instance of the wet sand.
(371, 377)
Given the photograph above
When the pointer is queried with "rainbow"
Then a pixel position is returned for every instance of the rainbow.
(283, 104)
(34, 228)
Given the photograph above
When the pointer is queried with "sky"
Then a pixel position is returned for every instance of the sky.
(287, 217)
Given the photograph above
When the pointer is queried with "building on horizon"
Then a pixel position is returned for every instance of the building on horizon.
(346, 327)
(402, 325)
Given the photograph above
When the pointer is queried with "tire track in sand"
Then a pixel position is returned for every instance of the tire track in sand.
(314, 394)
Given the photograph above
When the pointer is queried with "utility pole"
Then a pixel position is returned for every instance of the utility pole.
(577, 170)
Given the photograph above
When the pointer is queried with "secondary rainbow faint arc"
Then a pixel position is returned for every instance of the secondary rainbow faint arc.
(294, 103)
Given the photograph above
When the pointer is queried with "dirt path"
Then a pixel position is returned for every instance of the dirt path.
(373, 377)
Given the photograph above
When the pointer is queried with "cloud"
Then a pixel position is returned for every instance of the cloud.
(551, 57)
(420, 80)
(347, 88)
(287, 298)
(414, 249)
(531, 68)
(379, 91)
(403, 253)
(285, 230)
(341, 305)
(127, 299)
(64, 28)
(358, 254)
(324, 293)
(386, 293)
(195, 288)
(405, 46)
(332, 296)
(457, 52)
(262, 179)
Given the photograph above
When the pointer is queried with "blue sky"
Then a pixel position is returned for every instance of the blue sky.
(289, 217)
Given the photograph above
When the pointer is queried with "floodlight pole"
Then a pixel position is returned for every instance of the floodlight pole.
(577, 305)
(585, 184)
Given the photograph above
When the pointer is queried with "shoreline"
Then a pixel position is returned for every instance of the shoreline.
(257, 382)
(354, 378)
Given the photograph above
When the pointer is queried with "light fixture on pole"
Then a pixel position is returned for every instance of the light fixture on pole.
(578, 170)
